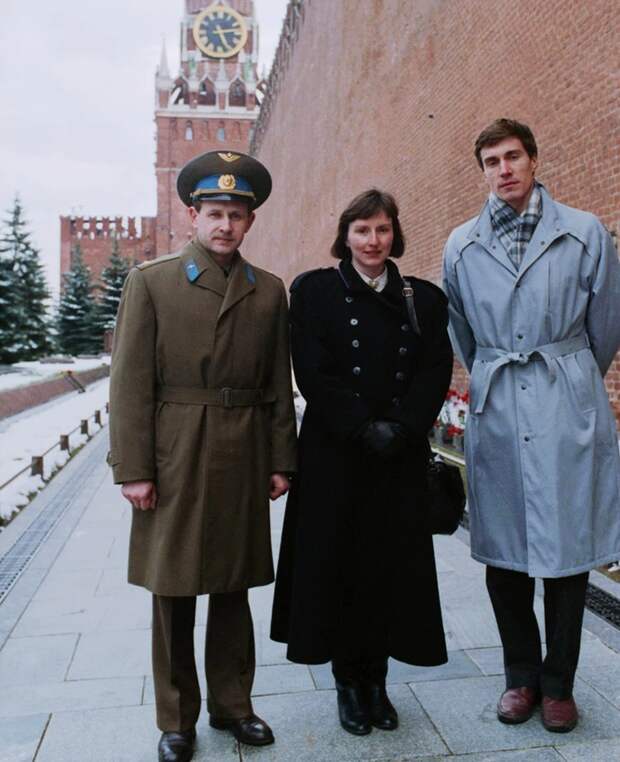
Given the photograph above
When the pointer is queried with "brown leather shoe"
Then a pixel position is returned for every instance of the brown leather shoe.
(517, 705)
(559, 715)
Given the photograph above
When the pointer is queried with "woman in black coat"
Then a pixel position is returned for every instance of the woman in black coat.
(356, 580)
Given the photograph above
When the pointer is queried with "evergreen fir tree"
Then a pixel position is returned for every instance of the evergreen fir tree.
(78, 331)
(24, 325)
(113, 277)
(8, 310)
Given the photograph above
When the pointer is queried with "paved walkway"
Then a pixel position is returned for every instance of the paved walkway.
(75, 679)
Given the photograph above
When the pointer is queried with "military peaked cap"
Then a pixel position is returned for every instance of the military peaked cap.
(224, 176)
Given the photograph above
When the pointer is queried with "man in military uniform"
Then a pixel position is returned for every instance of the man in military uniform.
(202, 433)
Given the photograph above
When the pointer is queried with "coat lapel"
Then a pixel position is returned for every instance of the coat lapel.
(483, 234)
(241, 282)
(201, 270)
(548, 230)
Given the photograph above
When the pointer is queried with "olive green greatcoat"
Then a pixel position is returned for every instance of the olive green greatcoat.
(182, 323)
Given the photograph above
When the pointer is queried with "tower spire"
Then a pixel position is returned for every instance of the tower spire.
(163, 70)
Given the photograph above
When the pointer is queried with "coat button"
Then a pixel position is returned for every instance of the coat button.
(402, 350)
(396, 401)
(348, 299)
(355, 343)
(356, 394)
(405, 327)
(357, 370)
(519, 335)
(354, 321)
(524, 387)
(400, 376)
(527, 439)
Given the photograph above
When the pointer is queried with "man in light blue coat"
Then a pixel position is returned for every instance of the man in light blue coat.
(534, 290)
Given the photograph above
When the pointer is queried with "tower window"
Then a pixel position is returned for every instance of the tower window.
(221, 134)
(206, 94)
(189, 132)
(236, 94)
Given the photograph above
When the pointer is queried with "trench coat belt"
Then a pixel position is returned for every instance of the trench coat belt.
(195, 395)
(546, 352)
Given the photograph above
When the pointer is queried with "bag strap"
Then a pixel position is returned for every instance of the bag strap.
(408, 294)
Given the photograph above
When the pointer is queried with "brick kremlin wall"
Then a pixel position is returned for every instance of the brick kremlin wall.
(95, 235)
(392, 93)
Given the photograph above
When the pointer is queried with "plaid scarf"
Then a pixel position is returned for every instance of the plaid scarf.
(515, 230)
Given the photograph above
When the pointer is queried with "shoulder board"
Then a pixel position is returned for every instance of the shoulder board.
(302, 276)
(158, 261)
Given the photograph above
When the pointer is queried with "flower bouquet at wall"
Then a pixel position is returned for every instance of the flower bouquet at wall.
(449, 428)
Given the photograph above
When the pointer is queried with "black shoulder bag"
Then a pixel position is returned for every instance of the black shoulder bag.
(446, 493)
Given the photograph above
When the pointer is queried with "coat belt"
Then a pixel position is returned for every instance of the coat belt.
(547, 352)
(194, 395)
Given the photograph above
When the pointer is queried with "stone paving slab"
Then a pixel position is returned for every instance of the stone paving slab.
(22, 700)
(464, 712)
(27, 661)
(592, 751)
(20, 736)
(307, 729)
(112, 654)
(123, 735)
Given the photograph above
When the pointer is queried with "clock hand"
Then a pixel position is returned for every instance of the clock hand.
(223, 32)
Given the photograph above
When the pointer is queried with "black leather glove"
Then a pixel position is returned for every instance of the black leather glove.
(385, 439)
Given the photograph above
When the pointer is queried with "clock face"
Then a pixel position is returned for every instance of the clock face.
(220, 32)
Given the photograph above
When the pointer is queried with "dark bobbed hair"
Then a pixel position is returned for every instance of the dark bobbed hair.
(366, 205)
(501, 129)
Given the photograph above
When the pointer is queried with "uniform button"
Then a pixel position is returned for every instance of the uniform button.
(348, 299)
(354, 321)
(396, 401)
(355, 343)
(523, 386)
(357, 370)
(519, 335)
(400, 376)
(356, 394)
(402, 350)
(518, 285)
(527, 439)
(405, 327)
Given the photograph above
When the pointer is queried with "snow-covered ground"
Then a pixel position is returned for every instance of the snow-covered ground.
(31, 433)
(24, 373)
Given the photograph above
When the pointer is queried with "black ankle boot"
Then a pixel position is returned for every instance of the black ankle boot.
(380, 710)
(352, 709)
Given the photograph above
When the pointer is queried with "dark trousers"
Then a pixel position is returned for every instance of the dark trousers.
(370, 671)
(512, 596)
(229, 659)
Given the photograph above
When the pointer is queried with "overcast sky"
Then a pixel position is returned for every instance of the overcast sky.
(77, 101)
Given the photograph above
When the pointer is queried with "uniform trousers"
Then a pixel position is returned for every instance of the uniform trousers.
(512, 596)
(229, 659)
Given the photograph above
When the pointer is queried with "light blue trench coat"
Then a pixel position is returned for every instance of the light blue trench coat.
(541, 448)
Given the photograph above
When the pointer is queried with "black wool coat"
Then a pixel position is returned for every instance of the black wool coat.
(357, 558)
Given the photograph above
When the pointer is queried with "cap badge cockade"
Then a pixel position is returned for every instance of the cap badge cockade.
(229, 156)
(227, 182)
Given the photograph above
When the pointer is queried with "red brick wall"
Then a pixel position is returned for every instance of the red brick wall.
(13, 401)
(94, 234)
(395, 97)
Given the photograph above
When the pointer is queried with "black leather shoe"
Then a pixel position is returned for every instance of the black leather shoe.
(176, 746)
(352, 710)
(251, 730)
(380, 708)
